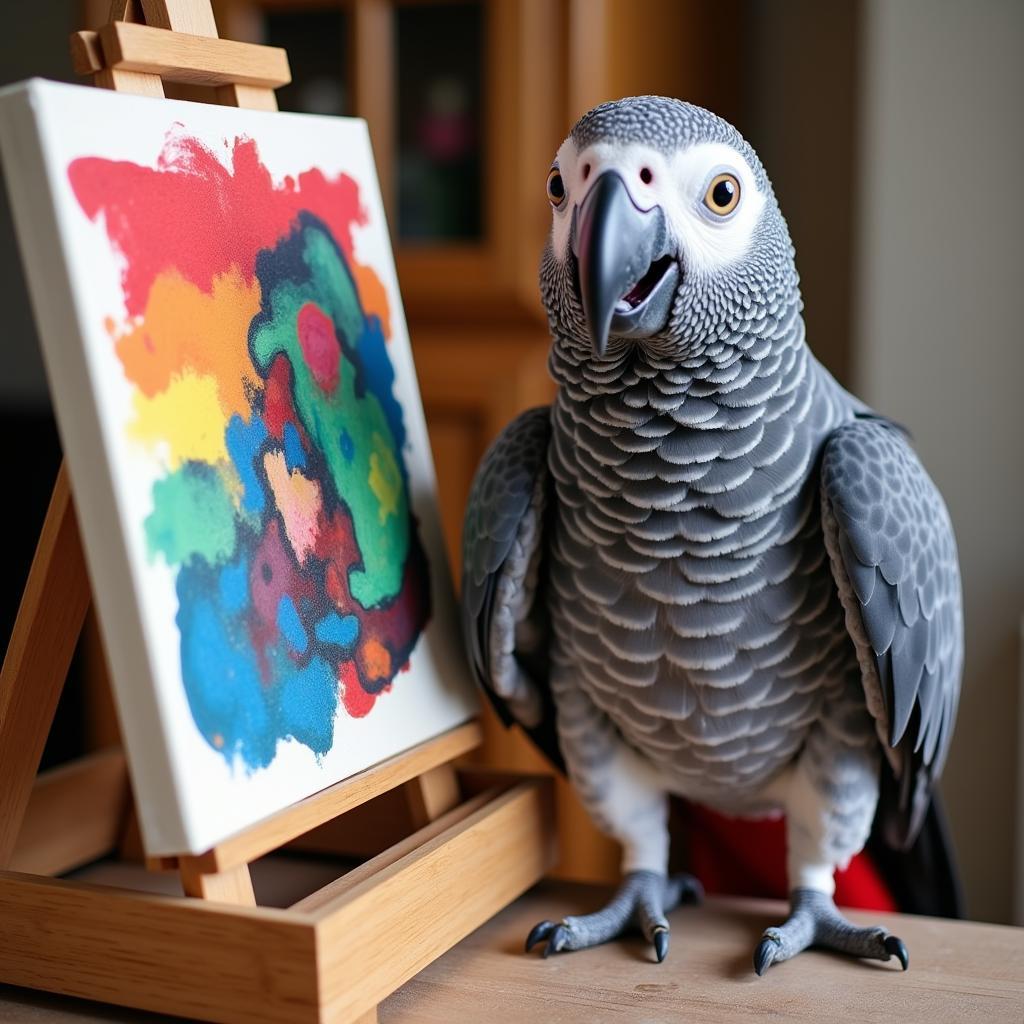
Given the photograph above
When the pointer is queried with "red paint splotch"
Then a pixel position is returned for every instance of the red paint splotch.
(358, 702)
(233, 212)
(278, 405)
(320, 346)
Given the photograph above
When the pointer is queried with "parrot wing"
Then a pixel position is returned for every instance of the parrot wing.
(894, 559)
(503, 546)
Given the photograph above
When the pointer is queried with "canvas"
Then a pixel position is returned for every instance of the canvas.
(233, 383)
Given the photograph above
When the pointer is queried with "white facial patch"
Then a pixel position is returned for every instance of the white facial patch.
(678, 185)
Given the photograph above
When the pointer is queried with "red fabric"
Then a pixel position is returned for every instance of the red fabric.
(748, 858)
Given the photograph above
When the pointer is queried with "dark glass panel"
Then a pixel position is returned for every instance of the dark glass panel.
(316, 39)
(439, 68)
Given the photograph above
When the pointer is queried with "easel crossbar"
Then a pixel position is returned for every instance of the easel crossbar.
(197, 60)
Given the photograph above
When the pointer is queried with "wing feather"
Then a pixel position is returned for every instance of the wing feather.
(503, 577)
(894, 558)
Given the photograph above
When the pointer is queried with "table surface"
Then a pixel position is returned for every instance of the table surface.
(959, 971)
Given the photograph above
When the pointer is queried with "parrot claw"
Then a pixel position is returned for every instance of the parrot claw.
(538, 933)
(897, 947)
(764, 955)
(660, 939)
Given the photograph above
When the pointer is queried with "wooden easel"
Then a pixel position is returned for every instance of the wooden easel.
(476, 842)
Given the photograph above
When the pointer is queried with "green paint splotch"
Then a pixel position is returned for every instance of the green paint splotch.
(310, 314)
(193, 516)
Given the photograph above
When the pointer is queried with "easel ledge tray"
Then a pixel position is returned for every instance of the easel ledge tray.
(326, 958)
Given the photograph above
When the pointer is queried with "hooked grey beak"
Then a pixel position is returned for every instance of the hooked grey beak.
(627, 275)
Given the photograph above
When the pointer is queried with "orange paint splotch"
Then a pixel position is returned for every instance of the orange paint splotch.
(372, 296)
(374, 659)
(187, 329)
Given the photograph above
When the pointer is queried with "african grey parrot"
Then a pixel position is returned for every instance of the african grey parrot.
(706, 569)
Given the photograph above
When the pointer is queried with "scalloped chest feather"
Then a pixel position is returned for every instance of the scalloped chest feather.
(691, 592)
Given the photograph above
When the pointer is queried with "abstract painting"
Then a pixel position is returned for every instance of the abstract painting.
(237, 395)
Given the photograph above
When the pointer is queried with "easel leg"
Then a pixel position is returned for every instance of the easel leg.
(42, 644)
(232, 886)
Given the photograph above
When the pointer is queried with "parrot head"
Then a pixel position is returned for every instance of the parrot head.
(665, 232)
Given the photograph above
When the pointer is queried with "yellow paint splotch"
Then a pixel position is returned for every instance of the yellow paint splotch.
(188, 330)
(385, 478)
(187, 416)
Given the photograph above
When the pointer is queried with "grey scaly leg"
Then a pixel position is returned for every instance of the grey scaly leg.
(624, 795)
(641, 901)
(815, 921)
(830, 796)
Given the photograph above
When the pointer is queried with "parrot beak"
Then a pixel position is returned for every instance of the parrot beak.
(627, 276)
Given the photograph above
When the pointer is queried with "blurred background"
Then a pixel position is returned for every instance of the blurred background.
(893, 134)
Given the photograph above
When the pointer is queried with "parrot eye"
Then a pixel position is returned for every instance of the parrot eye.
(723, 194)
(556, 188)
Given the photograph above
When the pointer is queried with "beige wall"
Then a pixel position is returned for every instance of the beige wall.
(939, 344)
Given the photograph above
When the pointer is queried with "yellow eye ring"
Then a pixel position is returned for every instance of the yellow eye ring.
(723, 194)
(555, 187)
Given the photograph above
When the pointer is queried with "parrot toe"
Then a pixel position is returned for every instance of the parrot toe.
(561, 938)
(815, 921)
(640, 903)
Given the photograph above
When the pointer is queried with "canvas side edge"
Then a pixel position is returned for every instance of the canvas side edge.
(57, 315)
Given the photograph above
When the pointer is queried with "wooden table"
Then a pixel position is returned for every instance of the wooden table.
(959, 972)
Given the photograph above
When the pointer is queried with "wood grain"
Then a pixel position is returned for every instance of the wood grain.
(75, 815)
(963, 972)
(373, 82)
(959, 971)
(432, 793)
(331, 957)
(86, 55)
(333, 890)
(191, 17)
(42, 643)
(129, 81)
(403, 916)
(194, 958)
(231, 886)
(315, 810)
(251, 96)
(198, 60)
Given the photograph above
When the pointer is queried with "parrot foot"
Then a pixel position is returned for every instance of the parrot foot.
(815, 921)
(641, 901)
